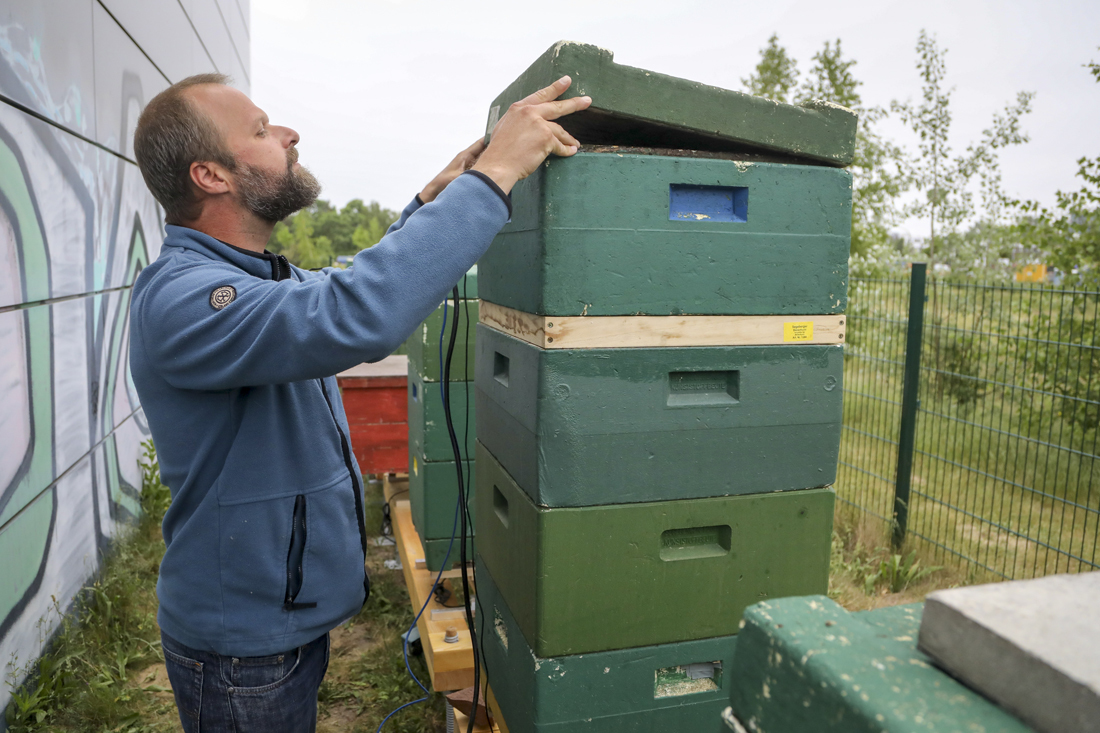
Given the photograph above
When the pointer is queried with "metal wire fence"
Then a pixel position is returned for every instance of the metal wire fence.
(1004, 476)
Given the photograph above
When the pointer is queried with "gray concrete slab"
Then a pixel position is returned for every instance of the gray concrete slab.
(1032, 646)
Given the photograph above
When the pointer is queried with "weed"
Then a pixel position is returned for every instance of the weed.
(101, 670)
(865, 574)
(81, 682)
(899, 573)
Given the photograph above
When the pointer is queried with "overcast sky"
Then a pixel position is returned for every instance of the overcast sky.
(385, 92)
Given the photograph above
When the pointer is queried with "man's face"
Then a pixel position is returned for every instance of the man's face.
(268, 180)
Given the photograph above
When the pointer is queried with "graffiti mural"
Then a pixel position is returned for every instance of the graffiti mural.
(76, 226)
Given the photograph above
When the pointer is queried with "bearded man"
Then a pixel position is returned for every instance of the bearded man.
(233, 352)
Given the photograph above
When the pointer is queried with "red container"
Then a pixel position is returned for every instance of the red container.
(377, 407)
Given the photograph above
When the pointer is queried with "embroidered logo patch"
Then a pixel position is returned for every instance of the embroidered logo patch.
(223, 296)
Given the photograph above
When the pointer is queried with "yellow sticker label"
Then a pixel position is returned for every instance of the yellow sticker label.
(415, 472)
(798, 331)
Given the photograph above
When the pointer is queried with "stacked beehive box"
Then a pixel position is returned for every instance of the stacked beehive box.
(658, 391)
(433, 479)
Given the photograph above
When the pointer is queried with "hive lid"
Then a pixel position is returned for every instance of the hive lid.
(633, 106)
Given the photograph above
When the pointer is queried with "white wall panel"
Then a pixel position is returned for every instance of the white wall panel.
(47, 47)
(125, 81)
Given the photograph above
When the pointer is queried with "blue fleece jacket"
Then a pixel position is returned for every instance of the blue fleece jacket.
(233, 355)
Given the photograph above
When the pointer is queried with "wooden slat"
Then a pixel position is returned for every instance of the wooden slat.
(450, 665)
(618, 332)
(392, 486)
(494, 709)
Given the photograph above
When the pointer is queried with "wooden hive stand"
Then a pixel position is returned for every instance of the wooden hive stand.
(450, 665)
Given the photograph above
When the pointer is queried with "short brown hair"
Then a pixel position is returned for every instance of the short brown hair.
(172, 134)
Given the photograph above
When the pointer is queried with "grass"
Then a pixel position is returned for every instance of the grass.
(1004, 471)
(94, 675)
(864, 573)
(103, 669)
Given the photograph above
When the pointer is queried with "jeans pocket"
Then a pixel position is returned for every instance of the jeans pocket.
(250, 675)
(288, 703)
(186, 678)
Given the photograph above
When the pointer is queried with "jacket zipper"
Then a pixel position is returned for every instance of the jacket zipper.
(355, 487)
(295, 557)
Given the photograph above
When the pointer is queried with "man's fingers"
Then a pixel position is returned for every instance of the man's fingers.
(563, 150)
(470, 155)
(562, 107)
(563, 135)
(545, 94)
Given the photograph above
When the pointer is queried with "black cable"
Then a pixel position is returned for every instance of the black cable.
(387, 513)
(463, 510)
(466, 441)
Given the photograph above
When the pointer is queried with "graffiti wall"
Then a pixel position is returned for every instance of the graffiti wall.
(76, 226)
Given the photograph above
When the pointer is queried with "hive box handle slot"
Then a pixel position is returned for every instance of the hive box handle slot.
(688, 202)
(500, 368)
(693, 543)
(687, 679)
(500, 506)
(694, 389)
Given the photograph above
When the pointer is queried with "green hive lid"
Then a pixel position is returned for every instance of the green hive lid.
(643, 108)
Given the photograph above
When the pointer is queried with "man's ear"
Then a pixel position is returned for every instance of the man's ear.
(210, 178)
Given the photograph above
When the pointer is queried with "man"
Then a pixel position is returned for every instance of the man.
(233, 352)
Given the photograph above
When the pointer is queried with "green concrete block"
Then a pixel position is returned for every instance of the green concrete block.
(579, 427)
(633, 106)
(807, 664)
(597, 578)
(423, 345)
(646, 688)
(433, 497)
(602, 234)
(428, 423)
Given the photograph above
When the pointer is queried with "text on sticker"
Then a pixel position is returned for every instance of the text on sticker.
(798, 331)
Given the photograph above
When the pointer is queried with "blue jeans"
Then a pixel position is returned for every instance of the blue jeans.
(273, 694)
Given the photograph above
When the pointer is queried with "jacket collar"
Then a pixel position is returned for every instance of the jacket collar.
(268, 266)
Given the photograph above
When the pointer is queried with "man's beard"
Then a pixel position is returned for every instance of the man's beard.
(274, 197)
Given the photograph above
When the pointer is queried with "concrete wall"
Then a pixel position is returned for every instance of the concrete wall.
(76, 226)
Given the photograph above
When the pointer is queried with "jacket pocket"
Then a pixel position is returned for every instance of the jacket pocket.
(295, 557)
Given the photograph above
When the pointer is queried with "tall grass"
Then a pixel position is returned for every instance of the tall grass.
(1006, 480)
(84, 680)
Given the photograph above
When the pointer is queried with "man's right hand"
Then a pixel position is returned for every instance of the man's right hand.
(527, 134)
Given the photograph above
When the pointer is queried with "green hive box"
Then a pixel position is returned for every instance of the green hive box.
(428, 422)
(580, 427)
(633, 106)
(806, 664)
(423, 345)
(603, 234)
(592, 579)
(433, 496)
(651, 689)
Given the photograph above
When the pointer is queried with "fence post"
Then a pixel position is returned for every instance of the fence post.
(909, 402)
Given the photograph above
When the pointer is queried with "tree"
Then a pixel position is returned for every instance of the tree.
(776, 75)
(1070, 232)
(298, 243)
(328, 230)
(877, 177)
(369, 235)
(947, 180)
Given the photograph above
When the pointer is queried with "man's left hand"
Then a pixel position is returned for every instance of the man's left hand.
(462, 162)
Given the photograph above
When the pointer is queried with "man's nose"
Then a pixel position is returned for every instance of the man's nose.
(288, 136)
